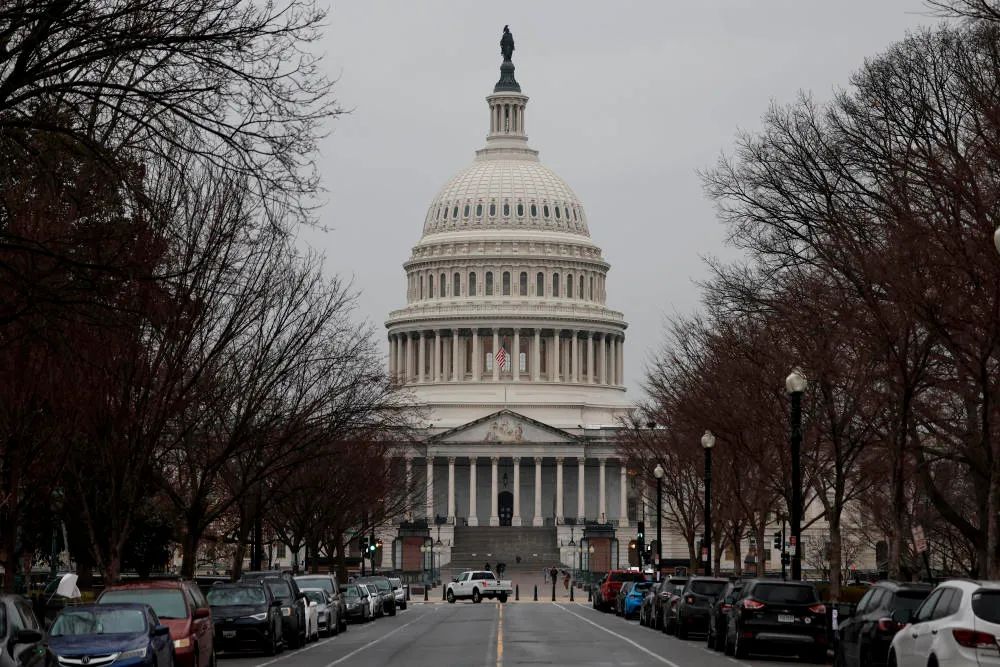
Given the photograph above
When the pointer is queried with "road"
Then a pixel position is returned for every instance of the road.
(494, 635)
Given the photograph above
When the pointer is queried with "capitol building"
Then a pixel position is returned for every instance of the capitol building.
(508, 344)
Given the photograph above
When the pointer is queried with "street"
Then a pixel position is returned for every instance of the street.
(443, 635)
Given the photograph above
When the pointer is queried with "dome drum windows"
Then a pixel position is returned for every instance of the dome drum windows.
(456, 285)
(454, 212)
(489, 283)
(506, 209)
(539, 285)
(466, 212)
(506, 283)
(520, 210)
(430, 286)
(545, 210)
(524, 284)
(557, 213)
(493, 209)
(443, 286)
(479, 210)
(555, 284)
(534, 211)
(472, 284)
(569, 286)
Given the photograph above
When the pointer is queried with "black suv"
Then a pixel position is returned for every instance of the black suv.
(385, 591)
(293, 603)
(865, 636)
(691, 612)
(778, 615)
(246, 615)
(718, 615)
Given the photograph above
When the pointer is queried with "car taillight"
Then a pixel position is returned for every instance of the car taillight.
(887, 625)
(689, 599)
(752, 604)
(725, 608)
(974, 639)
(818, 609)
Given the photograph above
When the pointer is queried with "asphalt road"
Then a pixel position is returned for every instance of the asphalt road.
(494, 635)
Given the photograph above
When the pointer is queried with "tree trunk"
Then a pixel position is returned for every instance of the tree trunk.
(341, 557)
(761, 563)
(189, 550)
(836, 559)
(899, 492)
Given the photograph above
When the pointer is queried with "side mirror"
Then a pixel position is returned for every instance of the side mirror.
(26, 637)
(312, 603)
(729, 599)
(903, 616)
(275, 603)
(160, 631)
(454, 580)
(202, 612)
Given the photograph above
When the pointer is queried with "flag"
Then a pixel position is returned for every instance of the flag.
(501, 358)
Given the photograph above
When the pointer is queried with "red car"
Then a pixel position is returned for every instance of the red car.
(612, 582)
(181, 607)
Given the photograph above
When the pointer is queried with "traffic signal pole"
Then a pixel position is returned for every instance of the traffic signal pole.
(784, 555)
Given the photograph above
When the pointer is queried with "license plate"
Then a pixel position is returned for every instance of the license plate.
(786, 618)
(229, 634)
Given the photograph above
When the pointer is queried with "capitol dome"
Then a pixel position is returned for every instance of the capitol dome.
(506, 302)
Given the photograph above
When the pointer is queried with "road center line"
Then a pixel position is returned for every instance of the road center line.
(294, 653)
(500, 637)
(377, 641)
(621, 637)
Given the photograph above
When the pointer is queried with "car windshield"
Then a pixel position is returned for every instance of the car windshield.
(318, 597)
(233, 597)
(986, 605)
(627, 576)
(784, 593)
(166, 603)
(382, 584)
(280, 590)
(642, 586)
(711, 588)
(909, 599)
(98, 622)
(396, 583)
(324, 583)
(351, 591)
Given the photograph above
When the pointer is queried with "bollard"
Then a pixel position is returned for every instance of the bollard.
(443, 591)
(553, 589)
(408, 593)
(589, 593)
(425, 592)
(536, 592)
(570, 593)
(517, 592)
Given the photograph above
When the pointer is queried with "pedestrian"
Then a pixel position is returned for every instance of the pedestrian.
(566, 580)
(517, 559)
(545, 575)
(487, 566)
(553, 572)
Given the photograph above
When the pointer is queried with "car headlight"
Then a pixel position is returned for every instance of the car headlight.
(353, 605)
(286, 611)
(182, 643)
(134, 653)
(259, 617)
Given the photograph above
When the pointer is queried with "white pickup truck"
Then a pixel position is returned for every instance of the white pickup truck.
(476, 585)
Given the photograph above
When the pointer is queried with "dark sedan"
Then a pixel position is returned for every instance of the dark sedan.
(696, 599)
(718, 615)
(357, 604)
(864, 638)
(385, 590)
(246, 616)
(778, 616)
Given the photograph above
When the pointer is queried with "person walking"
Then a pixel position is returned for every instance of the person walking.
(565, 579)
(487, 566)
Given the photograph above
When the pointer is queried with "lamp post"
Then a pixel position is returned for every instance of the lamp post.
(795, 385)
(707, 442)
(590, 563)
(426, 549)
(658, 474)
(438, 548)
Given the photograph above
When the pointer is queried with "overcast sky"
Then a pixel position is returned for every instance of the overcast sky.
(628, 100)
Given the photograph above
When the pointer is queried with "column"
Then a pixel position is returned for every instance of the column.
(536, 356)
(559, 490)
(400, 359)
(408, 366)
(581, 511)
(455, 340)
(538, 520)
(623, 495)
(438, 361)
(590, 357)
(515, 356)
(392, 357)
(496, 346)
(554, 358)
(477, 357)
(602, 508)
(621, 361)
(409, 485)
(421, 359)
(473, 513)
(451, 490)
(602, 360)
(494, 515)
(575, 350)
(516, 519)
(430, 490)
(612, 365)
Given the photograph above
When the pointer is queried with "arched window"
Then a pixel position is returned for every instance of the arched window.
(569, 286)
(421, 287)
(545, 210)
(520, 210)
(443, 286)
(539, 284)
(506, 209)
(580, 293)
(534, 211)
(456, 285)
(557, 213)
(506, 283)
(430, 287)
(524, 283)
(566, 210)
(574, 214)
(479, 210)
(472, 284)
(493, 209)
(439, 213)
(489, 283)
(555, 284)
(466, 213)
(454, 212)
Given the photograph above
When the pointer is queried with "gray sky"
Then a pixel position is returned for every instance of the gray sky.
(628, 100)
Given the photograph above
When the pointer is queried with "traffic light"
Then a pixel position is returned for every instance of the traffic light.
(363, 545)
(777, 541)
(640, 538)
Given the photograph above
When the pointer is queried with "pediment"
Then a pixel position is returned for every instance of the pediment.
(505, 427)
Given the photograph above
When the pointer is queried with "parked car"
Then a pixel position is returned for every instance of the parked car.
(179, 605)
(864, 637)
(718, 615)
(126, 634)
(632, 601)
(620, 597)
(293, 610)
(312, 620)
(358, 603)
(957, 625)
(377, 599)
(20, 630)
(323, 610)
(607, 590)
(385, 590)
(648, 605)
(328, 583)
(397, 588)
(691, 610)
(246, 615)
(778, 615)
(670, 595)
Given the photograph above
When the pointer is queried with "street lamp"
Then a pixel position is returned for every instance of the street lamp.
(707, 442)
(795, 385)
(425, 549)
(658, 474)
(438, 549)
(996, 239)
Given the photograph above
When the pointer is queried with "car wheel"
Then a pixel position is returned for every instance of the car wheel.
(212, 660)
(451, 597)
(503, 598)
(727, 646)
(709, 637)
(720, 642)
(892, 658)
(682, 632)
(476, 597)
(392, 609)
(741, 649)
(403, 606)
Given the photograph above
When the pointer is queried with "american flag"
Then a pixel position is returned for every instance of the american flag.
(501, 358)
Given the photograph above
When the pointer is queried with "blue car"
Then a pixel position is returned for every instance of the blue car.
(633, 601)
(125, 634)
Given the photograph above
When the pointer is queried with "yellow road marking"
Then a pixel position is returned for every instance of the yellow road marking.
(500, 637)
